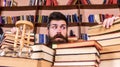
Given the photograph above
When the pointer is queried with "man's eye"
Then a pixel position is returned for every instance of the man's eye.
(63, 27)
(54, 27)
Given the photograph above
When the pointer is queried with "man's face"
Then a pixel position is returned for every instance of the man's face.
(58, 31)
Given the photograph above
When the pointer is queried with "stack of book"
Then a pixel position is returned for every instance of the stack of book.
(77, 54)
(42, 52)
(22, 62)
(105, 36)
(7, 44)
(110, 56)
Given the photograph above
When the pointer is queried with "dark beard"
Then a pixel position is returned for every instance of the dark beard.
(62, 39)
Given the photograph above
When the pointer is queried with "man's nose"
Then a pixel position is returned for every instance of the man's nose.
(59, 29)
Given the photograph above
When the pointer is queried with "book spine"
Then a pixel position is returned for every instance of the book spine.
(91, 18)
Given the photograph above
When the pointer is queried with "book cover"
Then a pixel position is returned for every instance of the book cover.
(79, 44)
(81, 50)
(110, 49)
(77, 57)
(79, 64)
(110, 63)
(41, 55)
(22, 62)
(41, 47)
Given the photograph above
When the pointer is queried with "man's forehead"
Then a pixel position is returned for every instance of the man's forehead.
(58, 22)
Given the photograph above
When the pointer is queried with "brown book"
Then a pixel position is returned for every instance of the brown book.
(105, 36)
(77, 57)
(21, 62)
(109, 42)
(79, 64)
(41, 55)
(79, 44)
(42, 47)
(82, 50)
(110, 49)
(110, 56)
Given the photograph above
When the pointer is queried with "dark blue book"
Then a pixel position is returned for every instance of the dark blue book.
(84, 36)
(88, 1)
(76, 18)
(3, 19)
(41, 38)
(0, 20)
(80, 18)
(68, 18)
(91, 18)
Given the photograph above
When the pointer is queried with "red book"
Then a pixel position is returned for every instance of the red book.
(84, 2)
(55, 3)
(114, 1)
(70, 2)
(48, 2)
(110, 2)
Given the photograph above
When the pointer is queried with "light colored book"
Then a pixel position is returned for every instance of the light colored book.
(82, 50)
(110, 56)
(78, 44)
(110, 63)
(44, 48)
(77, 66)
(109, 42)
(77, 57)
(89, 63)
(104, 36)
(41, 55)
(21, 62)
(109, 49)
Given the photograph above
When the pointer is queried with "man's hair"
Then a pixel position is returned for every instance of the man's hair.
(57, 16)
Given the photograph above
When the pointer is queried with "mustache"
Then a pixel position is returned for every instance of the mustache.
(59, 36)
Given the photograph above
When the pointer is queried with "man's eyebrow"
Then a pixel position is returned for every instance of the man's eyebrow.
(53, 24)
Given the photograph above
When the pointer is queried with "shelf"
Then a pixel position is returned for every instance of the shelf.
(70, 24)
(18, 8)
(45, 24)
(60, 7)
(7, 25)
(99, 6)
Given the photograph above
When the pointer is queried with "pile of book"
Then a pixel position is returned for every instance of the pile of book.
(105, 37)
(77, 54)
(109, 39)
(43, 53)
(7, 44)
(110, 56)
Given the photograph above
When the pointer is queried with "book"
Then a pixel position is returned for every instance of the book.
(99, 29)
(76, 66)
(48, 3)
(105, 36)
(41, 55)
(81, 50)
(79, 44)
(22, 62)
(55, 2)
(110, 56)
(77, 57)
(108, 42)
(41, 47)
(110, 49)
(110, 63)
(87, 63)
